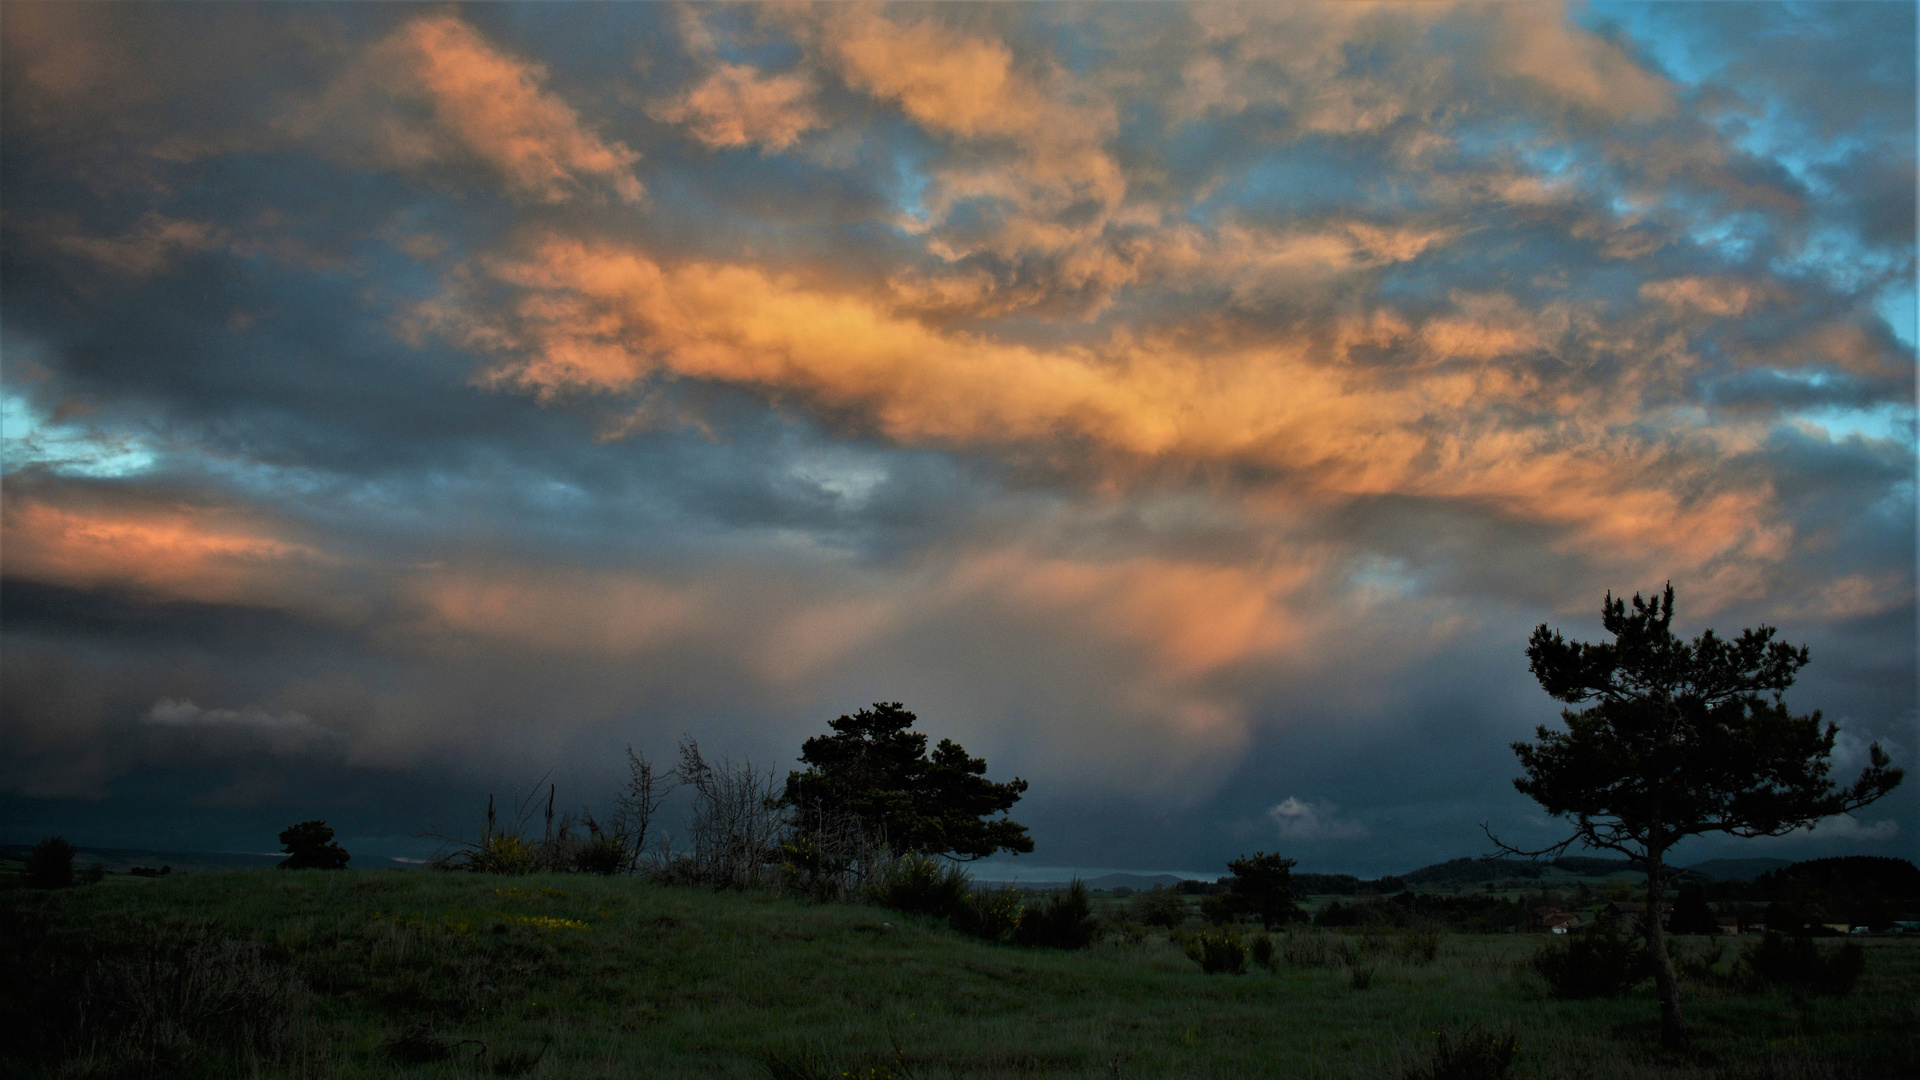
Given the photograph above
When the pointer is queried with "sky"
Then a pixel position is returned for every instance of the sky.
(1190, 409)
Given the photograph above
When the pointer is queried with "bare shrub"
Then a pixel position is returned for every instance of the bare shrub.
(734, 828)
(637, 808)
(833, 856)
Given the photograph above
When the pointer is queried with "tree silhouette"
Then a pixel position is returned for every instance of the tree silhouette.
(1681, 738)
(1261, 887)
(310, 846)
(50, 865)
(875, 768)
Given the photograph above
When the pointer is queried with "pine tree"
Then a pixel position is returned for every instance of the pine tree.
(1679, 738)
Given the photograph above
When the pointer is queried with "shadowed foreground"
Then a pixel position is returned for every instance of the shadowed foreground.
(408, 973)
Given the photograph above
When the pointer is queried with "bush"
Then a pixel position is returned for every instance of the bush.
(1780, 960)
(992, 914)
(1595, 964)
(1420, 946)
(1479, 1055)
(1063, 920)
(1263, 951)
(1360, 978)
(1160, 906)
(50, 866)
(922, 885)
(503, 855)
(601, 855)
(1218, 952)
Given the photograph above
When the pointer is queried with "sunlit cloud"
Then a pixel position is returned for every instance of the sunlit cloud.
(481, 105)
(1307, 822)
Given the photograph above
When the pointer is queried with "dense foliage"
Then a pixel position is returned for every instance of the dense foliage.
(875, 768)
(50, 865)
(309, 846)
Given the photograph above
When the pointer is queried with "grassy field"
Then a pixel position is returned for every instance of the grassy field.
(385, 973)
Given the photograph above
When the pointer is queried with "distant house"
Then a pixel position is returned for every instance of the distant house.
(1551, 920)
(1728, 924)
(1628, 914)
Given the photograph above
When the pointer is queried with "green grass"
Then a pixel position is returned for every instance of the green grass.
(589, 977)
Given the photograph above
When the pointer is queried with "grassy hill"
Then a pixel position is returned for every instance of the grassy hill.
(386, 973)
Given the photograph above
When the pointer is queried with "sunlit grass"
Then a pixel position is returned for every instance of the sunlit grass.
(585, 977)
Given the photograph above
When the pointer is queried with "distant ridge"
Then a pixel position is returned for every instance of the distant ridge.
(1136, 882)
(1738, 869)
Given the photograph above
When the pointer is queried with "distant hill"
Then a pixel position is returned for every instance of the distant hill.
(1737, 869)
(1136, 882)
(1849, 874)
(1586, 866)
(1468, 870)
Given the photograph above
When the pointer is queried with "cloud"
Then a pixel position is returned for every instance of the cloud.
(1465, 416)
(285, 731)
(482, 105)
(1306, 822)
(736, 105)
(149, 248)
(1174, 404)
(71, 536)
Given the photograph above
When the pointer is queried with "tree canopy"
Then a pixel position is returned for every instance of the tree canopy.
(309, 846)
(875, 768)
(1261, 887)
(1679, 738)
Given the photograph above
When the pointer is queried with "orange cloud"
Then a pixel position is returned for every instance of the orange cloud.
(1721, 297)
(149, 248)
(1462, 416)
(606, 614)
(735, 105)
(484, 106)
(1191, 618)
(180, 552)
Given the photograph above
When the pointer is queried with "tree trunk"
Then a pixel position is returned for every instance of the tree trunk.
(1673, 1026)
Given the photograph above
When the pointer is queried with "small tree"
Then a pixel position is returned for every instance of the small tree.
(876, 768)
(50, 864)
(1681, 738)
(637, 805)
(310, 846)
(1261, 887)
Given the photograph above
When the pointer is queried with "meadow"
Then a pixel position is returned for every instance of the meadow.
(396, 973)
